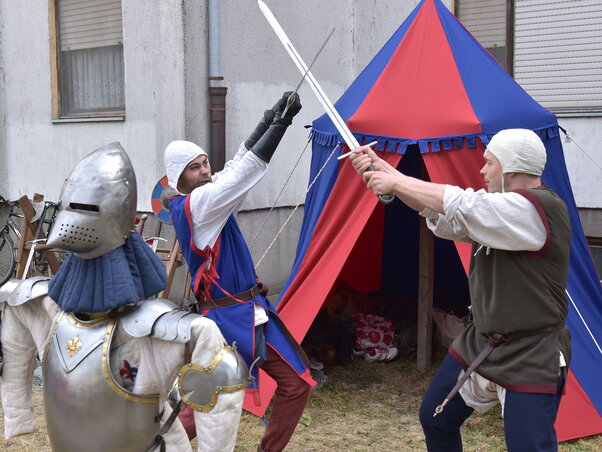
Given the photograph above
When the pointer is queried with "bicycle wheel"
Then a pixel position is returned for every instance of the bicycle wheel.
(7, 258)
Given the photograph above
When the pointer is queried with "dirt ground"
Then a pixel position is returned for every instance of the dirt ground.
(364, 406)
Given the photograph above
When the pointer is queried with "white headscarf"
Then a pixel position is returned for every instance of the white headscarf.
(519, 151)
(177, 155)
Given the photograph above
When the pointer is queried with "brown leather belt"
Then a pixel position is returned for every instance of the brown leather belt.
(245, 295)
(493, 340)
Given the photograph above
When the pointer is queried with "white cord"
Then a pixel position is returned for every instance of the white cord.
(297, 206)
(584, 322)
(279, 194)
(569, 139)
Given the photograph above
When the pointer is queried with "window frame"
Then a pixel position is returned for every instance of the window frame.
(509, 44)
(55, 68)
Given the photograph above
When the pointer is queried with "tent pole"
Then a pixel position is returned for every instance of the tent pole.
(425, 290)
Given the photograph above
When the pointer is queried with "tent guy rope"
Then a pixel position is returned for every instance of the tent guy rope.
(297, 206)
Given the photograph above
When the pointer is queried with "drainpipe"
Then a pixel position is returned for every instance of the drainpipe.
(217, 93)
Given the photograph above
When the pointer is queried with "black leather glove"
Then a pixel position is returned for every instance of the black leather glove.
(267, 144)
(294, 106)
(268, 117)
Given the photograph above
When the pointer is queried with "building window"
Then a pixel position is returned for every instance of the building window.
(552, 48)
(491, 23)
(88, 75)
(558, 52)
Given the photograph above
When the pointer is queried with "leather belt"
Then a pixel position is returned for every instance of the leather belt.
(493, 340)
(245, 295)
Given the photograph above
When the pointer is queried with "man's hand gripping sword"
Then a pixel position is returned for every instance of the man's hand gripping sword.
(332, 113)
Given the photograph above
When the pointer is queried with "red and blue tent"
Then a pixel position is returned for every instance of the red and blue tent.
(432, 96)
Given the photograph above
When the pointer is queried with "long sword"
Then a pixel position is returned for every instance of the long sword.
(332, 113)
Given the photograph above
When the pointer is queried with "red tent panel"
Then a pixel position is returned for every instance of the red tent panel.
(420, 93)
(345, 215)
(459, 168)
(362, 270)
(577, 416)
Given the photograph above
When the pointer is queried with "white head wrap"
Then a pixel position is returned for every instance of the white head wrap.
(519, 151)
(177, 155)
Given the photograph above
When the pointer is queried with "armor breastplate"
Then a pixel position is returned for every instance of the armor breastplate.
(86, 409)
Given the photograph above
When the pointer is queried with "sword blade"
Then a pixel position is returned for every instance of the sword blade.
(332, 113)
(289, 100)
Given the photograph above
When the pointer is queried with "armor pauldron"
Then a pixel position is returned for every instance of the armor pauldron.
(174, 326)
(200, 386)
(140, 320)
(17, 292)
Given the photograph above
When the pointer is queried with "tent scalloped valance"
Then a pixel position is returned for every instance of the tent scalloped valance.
(435, 144)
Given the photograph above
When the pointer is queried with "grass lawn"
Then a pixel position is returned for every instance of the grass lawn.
(374, 407)
(363, 407)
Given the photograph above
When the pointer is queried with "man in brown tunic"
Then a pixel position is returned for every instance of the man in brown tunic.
(518, 344)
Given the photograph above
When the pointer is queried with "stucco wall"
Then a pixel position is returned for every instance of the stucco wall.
(583, 156)
(3, 156)
(40, 153)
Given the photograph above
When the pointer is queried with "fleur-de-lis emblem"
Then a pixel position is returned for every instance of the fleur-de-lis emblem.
(74, 346)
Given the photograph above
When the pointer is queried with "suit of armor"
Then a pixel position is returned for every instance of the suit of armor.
(88, 397)
(111, 353)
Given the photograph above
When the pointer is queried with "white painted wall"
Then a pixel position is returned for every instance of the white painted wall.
(257, 70)
(39, 154)
(583, 155)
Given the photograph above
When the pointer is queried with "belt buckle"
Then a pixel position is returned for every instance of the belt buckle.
(261, 289)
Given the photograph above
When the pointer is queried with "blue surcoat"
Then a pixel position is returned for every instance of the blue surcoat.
(230, 272)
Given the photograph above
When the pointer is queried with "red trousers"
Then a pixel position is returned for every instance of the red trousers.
(290, 399)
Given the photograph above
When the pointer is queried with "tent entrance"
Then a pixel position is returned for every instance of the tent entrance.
(400, 263)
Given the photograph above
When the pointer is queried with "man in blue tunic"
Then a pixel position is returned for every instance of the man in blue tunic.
(223, 274)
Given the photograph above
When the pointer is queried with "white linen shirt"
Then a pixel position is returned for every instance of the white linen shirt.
(212, 204)
(504, 221)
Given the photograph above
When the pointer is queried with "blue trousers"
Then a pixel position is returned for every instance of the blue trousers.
(528, 417)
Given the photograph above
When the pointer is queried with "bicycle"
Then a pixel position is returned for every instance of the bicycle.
(37, 262)
(40, 262)
(8, 249)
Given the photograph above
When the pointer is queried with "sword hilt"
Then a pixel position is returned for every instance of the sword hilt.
(289, 102)
(384, 199)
